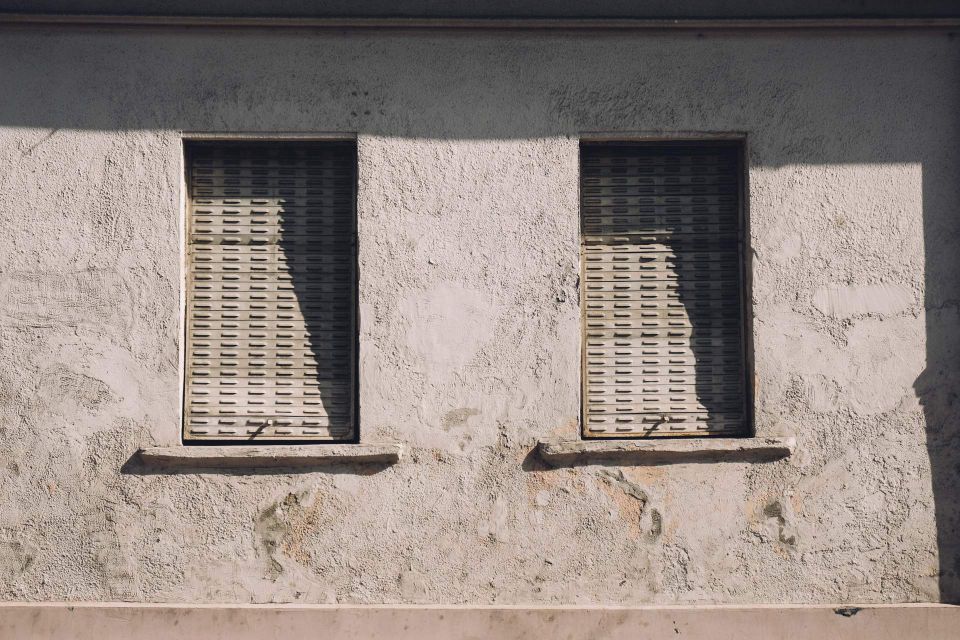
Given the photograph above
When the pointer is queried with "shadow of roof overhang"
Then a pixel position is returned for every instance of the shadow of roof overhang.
(493, 13)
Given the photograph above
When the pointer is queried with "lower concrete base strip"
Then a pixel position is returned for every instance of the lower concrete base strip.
(99, 621)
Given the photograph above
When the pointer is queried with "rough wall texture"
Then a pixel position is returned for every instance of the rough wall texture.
(468, 220)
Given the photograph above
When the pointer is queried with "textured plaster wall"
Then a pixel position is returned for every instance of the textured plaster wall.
(468, 222)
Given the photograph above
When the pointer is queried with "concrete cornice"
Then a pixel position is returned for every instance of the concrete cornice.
(511, 24)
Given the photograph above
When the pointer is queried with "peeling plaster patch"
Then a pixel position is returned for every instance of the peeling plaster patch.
(413, 585)
(61, 385)
(822, 393)
(284, 529)
(677, 569)
(92, 296)
(888, 357)
(632, 502)
(449, 324)
(870, 371)
(656, 526)
(458, 417)
(112, 558)
(846, 301)
(497, 526)
(16, 555)
(780, 516)
(632, 489)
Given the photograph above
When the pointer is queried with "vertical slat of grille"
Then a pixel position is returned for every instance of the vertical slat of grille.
(271, 292)
(663, 325)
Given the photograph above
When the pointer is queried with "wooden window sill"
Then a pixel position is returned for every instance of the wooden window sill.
(269, 456)
(664, 450)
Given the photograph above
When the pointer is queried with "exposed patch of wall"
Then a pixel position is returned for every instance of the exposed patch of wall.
(85, 297)
(470, 319)
(855, 300)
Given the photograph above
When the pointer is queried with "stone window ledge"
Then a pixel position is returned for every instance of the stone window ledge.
(269, 456)
(558, 452)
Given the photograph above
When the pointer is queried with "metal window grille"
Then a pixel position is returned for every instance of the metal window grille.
(271, 292)
(663, 313)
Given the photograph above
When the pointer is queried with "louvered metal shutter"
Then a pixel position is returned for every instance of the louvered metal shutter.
(271, 299)
(662, 294)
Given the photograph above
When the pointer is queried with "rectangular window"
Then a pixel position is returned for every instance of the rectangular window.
(271, 291)
(663, 302)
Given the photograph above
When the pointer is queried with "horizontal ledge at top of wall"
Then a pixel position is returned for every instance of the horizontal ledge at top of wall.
(558, 452)
(271, 456)
(497, 23)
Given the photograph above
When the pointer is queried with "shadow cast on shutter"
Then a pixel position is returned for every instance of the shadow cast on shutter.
(330, 316)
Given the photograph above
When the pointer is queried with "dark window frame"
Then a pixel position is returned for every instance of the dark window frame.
(190, 142)
(739, 142)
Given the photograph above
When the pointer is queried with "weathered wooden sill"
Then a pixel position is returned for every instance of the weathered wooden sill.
(244, 456)
(665, 450)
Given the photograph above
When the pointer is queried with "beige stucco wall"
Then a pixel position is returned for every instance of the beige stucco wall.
(469, 329)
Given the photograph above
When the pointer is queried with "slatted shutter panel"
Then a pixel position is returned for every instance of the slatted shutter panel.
(662, 294)
(271, 292)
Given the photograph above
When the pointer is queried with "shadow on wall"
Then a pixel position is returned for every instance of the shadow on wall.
(802, 99)
(938, 387)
